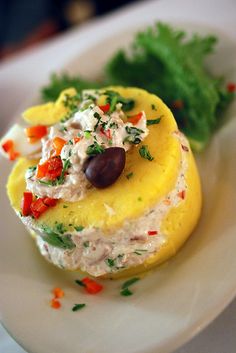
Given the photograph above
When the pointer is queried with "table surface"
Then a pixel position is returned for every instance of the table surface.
(23, 75)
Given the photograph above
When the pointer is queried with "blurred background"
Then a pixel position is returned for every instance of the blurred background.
(24, 23)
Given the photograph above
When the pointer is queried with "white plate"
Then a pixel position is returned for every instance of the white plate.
(170, 305)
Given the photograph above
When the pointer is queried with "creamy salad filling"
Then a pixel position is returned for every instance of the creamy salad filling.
(130, 245)
(89, 130)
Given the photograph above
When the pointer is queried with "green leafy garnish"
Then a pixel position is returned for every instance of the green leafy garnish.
(164, 61)
(60, 228)
(95, 149)
(77, 307)
(129, 175)
(133, 135)
(58, 240)
(86, 244)
(130, 282)
(60, 82)
(144, 153)
(79, 228)
(110, 262)
(125, 291)
(66, 166)
(113, 98)
(80, 283)
(153, 121)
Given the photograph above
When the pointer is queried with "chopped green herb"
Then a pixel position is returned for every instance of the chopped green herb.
(48, 182)
(87, 134)
(139, 251)
(60, 228)
(113, 125)
(113, 98)
(86, 244)
(55, 239)
(129, 175)
(77, 307)
(126, 292)
(79, 228)
(139, 198)
(130, 282)
(133, 135)
(153, 107)
(80, 283)
(65, 206)
(144, 153)
(153, 121)
(95, 149)
(32, 169)
(70, 142)
(110, 262)
(66, 166)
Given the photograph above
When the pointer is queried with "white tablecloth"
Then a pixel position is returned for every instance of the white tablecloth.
(21, 77)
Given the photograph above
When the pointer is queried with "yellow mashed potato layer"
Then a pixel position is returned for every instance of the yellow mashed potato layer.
(129, 198)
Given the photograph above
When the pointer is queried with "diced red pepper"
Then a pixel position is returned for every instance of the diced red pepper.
(26, 203)
(58, 292)
(76, 139)
(55, 304)
(13, 155)
(178, 104)
(38, 207)
(51, 169)
(105, 108)
(106, 133)
(231, 87)
(50, 202)
(134, 119)
(152, 232)
(35, 133)
(182, 194)
(58, 143)
(8, 145)
(91, 286)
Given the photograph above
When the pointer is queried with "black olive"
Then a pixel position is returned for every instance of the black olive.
(105, 168)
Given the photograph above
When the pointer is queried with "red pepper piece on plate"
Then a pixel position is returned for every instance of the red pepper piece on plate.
(91, 286)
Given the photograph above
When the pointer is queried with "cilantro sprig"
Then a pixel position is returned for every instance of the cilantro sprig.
(144, 153)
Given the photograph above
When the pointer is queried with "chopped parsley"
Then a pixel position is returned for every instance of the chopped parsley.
(32, 169)
(139, 251)
(130, 282)
(72, 104)
(60, 228)
(77, 307)
(79, 228)
(52, 237)
(110, 262)
(80, 283)
(153, 121)
(129, 175)
(66, 166)
(144, 153)
(48, 182)
(86, 244)
(87, 134)
(95, 149)
(125, 291)
(133, 135)
(113, 98)
(65, 206)
(153, 107)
